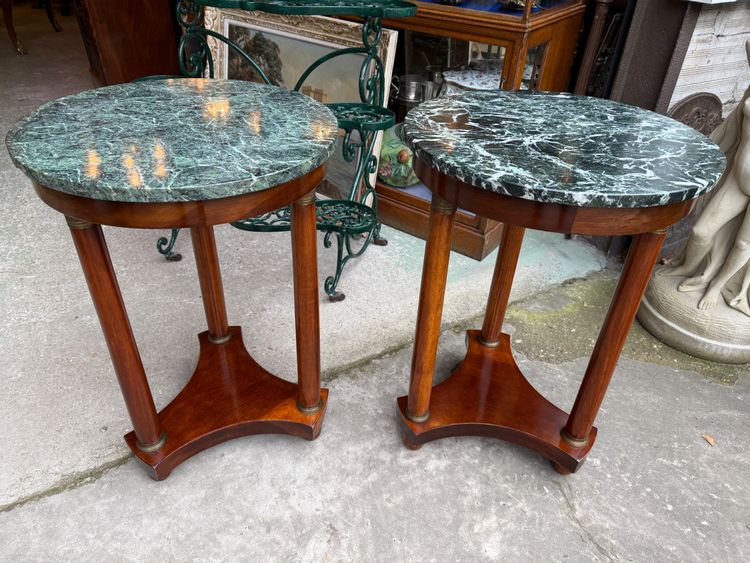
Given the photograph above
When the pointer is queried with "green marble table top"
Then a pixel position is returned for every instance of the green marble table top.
(173, 140)
(361, 8)
(566, 149)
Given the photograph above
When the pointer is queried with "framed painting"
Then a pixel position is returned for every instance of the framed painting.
(284, 47)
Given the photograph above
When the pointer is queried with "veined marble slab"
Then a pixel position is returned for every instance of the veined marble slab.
(561, 148)
(173, 140)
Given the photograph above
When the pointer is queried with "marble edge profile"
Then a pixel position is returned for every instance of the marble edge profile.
(201, 192)
(162, 195)
(563, 197)
(611, 199)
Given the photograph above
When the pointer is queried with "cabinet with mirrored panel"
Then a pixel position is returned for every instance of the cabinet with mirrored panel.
(453, 45)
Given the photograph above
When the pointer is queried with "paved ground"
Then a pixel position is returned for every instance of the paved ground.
(653, 488)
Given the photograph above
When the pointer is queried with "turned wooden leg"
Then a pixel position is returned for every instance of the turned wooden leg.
(640, 262)
(592, 45)
(307, 320)
(105, 292)
(502, 282)
(209, 275)
(430, 312)
(51, 15)
(8, 21)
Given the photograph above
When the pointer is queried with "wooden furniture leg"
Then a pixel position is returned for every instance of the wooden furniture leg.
(306, 312)
(51, 15)
(230, 395)
(642, 256)
(212, 289)
(8, 20)
(430, 312)
(592, 45)
(487, 394)
(502, 282)
(105, 292)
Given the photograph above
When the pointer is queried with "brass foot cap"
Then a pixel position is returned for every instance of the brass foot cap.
(219, 339)
(310, 410)
(487, 343)
(418, 419)
(575, 442)
(148, 448)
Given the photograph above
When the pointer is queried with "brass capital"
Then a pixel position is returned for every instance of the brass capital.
(307, 199)
(77, 224)
(439, 205)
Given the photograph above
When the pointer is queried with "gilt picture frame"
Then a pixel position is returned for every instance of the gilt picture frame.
(294, 42)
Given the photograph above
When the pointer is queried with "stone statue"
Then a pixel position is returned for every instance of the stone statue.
(721, 234)
(714, 264)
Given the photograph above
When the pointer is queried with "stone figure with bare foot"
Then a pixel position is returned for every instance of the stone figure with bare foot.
(700, 301)
(720, 240)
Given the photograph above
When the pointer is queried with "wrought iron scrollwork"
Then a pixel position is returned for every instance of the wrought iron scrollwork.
(353, 222)
(165, 245)
(344, 216)
(189, 13)
(354, 233)
(372, 84)
(362, 8)
(193, 53)
(275, 221)
(332, 281)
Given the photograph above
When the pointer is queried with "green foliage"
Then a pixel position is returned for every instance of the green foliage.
(262, 50)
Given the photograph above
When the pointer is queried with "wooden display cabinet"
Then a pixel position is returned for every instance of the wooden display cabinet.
(138, 38)
(533, 49)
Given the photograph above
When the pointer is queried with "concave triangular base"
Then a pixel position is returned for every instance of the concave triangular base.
(487, 395)
(228, 396)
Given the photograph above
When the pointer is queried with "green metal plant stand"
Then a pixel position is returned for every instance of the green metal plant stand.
(353, 222)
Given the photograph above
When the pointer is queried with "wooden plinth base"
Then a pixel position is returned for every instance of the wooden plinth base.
(228, 396)
(487, 395)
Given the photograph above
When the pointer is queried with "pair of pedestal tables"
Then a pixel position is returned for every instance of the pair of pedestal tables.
(194, 153)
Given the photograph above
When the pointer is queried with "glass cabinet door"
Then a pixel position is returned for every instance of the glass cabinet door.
(428, 66)
(533, 66)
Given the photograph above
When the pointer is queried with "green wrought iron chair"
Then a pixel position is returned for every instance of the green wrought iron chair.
(353, 221)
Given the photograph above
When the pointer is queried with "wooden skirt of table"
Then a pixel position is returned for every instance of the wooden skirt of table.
(229, 394)
(487, 395)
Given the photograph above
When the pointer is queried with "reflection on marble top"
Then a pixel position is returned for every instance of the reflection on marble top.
(173, 140)
(473, 79)
(561, 148)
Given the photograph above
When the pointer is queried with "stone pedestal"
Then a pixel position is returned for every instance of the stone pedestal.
(721, 334)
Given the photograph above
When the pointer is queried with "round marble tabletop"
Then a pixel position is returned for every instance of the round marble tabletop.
(566, 149)
(173, 140)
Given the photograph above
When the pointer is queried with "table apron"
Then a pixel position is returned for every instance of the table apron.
(555, 217)
(179, 214)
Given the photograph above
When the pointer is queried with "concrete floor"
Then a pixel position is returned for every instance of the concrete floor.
(652, 488)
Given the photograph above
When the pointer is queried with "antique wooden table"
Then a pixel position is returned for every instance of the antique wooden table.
(555, 162)
(190, 153)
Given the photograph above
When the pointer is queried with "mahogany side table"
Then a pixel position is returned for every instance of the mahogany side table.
(556, 162)
(190, 153)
